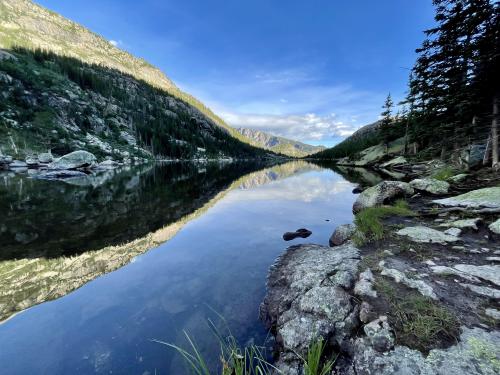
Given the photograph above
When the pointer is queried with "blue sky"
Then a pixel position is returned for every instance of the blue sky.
(310, 70)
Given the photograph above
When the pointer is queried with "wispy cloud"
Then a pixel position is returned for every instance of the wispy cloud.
(116, 43)
(300, 127)
(296, 103)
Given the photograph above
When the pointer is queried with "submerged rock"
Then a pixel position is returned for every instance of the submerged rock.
(341, 234)
(308, 298)
(302, 233)
(427, 235)
(481, 198)
(381, 193)
(74, 160)
(430, 185)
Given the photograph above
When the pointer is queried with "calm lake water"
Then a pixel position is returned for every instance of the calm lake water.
(182, 240)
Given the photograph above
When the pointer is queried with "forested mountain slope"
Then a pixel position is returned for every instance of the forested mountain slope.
(65, 88)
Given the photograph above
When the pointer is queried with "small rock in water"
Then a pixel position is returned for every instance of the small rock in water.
(302, 233)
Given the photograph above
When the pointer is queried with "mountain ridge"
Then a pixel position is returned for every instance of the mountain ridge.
(26, 24)
(279, 144)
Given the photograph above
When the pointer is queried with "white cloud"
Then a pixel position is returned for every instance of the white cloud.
(116, 43)
(309, 126)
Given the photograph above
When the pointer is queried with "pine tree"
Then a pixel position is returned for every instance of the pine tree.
(386, 121)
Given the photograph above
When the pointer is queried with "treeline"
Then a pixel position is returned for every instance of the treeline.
(166, 131)
(454, 87)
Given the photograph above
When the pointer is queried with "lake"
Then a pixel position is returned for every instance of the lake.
(93, 270)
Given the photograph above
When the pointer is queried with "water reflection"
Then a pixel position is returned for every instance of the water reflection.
(219, 258)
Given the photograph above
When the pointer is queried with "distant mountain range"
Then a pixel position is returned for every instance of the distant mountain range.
(65, 88)
(277, 144)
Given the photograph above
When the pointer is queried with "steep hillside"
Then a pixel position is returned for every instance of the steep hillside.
(87, 92)
(361, 139)
(279, 144)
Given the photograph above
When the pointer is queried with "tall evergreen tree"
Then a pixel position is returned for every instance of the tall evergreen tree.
(387, 120)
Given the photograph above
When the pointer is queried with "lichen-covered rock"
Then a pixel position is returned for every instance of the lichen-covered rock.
(471, 272)
(381, 193)
(379, 334)
(45, 158)
(396, 161)
(480, 198)
(495, 227)
(74, 160)
(475, 354)
(463, 224)
(427, 235)
(453, 231)
(430, 185)
(308, 297)
(458, 178)
(364, 286)
(400, 277)
(341, 234)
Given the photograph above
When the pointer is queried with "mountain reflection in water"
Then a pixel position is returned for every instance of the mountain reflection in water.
(223, 224)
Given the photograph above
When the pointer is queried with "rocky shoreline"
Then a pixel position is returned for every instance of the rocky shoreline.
(421, 299)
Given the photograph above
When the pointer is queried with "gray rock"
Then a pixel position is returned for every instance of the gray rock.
(17, 164)
(341, 234)
(483, 290)
(45, 158)
(473, 155)
(379, 334)
(399, 277)
(493, 313)
(62, 174)
(108, 164)
(32, 161)
(453, 232)
(430, 185)
(396, 161)
(364, 286)
(74, 160)
(475, 354)
(463, 224)
(471, 272)
(495, 227)
(308, 298)
(481, 198)
(381, 193)
(427, 235)
(458, 178)
(366, 313)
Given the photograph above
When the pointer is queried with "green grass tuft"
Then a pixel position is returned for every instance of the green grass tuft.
(443, 174)
(368, 222)
(419, 322)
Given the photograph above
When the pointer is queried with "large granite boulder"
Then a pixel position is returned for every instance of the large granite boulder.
(308, 297)
(74, 160)
(341, 234)
(430, 185)
(480, 198)
(381, 193)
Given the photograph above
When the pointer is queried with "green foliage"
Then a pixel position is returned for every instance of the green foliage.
(419, 321)
(368, 222)
(313, 365)
(443, 174)
(175, 133)
(249, 360)
(387, 120)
